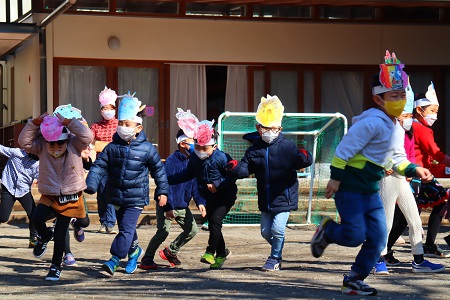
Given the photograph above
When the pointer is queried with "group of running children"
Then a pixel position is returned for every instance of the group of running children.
(380, 179)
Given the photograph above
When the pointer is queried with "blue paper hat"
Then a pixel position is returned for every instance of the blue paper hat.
(409, 106)
(129, 106)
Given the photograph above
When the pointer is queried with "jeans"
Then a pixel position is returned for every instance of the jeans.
(106, 211)
(363, 221)
(272, 229)
(184, 218)
(127, 218)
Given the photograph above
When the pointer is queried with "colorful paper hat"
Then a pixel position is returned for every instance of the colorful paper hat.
(392, 77)
(107, 96)
(129, 106)
(187, 122)
(51, 129)
(270, 112)
(68, 112)
(430, 97)
(409, 106)
(204, 134)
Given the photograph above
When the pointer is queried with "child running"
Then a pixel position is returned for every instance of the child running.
(394, 188)
(61, 181)
(274, 160)
(20, 171)
(177, 208)
(127, 161)
(208, 166)
(372, 145)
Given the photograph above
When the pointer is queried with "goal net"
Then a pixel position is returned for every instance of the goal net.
(318, 133)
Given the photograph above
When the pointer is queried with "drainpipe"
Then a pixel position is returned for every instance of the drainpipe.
(43, 49)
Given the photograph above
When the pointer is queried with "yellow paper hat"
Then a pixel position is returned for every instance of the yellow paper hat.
(270, 112)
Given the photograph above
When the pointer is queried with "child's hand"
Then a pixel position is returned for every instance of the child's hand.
(170, 215)
(162, 200)
(202, 209)
(86, 153)
(424, 174)
(38, 121)
(63, 120)
(211, 187)
(332, 187)
(388, 172)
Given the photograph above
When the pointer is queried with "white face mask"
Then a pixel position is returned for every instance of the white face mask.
(407, 123)
(108, 114)
(430, 119)
(269, 136)
(58, 152)
(126, 133)
(201, 154)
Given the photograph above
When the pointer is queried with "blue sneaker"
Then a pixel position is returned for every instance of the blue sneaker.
(111, 265)
(272, 264)
(355, 286)
(133, 260)
(427, 267)
(78, 232)
(380, 268)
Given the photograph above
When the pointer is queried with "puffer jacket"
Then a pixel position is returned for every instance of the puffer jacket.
(127, 167)
(181, 194)
(63, 175)
(210, 170)
(275, 167)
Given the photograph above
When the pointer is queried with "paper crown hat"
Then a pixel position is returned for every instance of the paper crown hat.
(392, 77)
(430, 97)
(409, 106)
(187, 122)
(129, 107)
(68, 112)
(204, 134)
(52, 128)
(270, 112)
(107, 96)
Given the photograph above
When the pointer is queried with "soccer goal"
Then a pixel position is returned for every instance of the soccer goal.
(318, 133)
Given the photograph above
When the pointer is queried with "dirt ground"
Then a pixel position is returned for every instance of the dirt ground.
(302, 276)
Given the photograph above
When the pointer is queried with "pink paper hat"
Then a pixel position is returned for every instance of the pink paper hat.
(107, 96)
(204, 135)
(187, 122)
(51, 129)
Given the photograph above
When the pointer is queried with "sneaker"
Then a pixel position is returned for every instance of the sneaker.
(318, 242)
(208, 258)
(78, 232)
(32, 242)
(272, 264)
(427, 267)
(447, 239)
(172, 259)
(40, 248)
(69, 260)
(218, 262)
(390, 259)
(54, 273)
(102, 229)
(111, 265)
(353, 286)
(133, 260)
(205, 226)
(110, 230)
(148, 264)
(435, 252)
(380, 268)
(227, 253)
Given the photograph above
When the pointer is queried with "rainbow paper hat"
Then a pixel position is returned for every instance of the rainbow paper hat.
(430, 97)
(51, 129)
(392, 77)
(270, 112)
(107, 96)
(187, 122)
(129, 107)
(204, 134)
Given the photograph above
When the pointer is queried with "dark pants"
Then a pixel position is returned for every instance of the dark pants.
(106, 211)
(215, 212)
(127, 218)
(7, 203)
(43, 213)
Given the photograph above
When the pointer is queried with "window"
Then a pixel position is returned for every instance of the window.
(281, 11)
(208, 9)
(152, 7)
(347, 12)
(80, 5)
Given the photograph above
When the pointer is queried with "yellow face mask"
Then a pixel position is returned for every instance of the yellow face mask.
(394, 108)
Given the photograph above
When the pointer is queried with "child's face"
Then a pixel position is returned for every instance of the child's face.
(127, 123)
(108, 107)
(204, 152)
(391, 102)
(57, 149)
(404, 116)
(424, 112)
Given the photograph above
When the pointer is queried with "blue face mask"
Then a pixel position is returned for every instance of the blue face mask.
(191, 149)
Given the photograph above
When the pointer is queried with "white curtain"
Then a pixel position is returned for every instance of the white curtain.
(284, 84)
(236, 92)
(343, 92)
(187, 91)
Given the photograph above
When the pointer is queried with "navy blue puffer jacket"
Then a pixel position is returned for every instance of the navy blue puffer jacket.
(128, 166)
(275, 167)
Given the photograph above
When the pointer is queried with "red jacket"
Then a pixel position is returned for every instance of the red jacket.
(425, 148)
